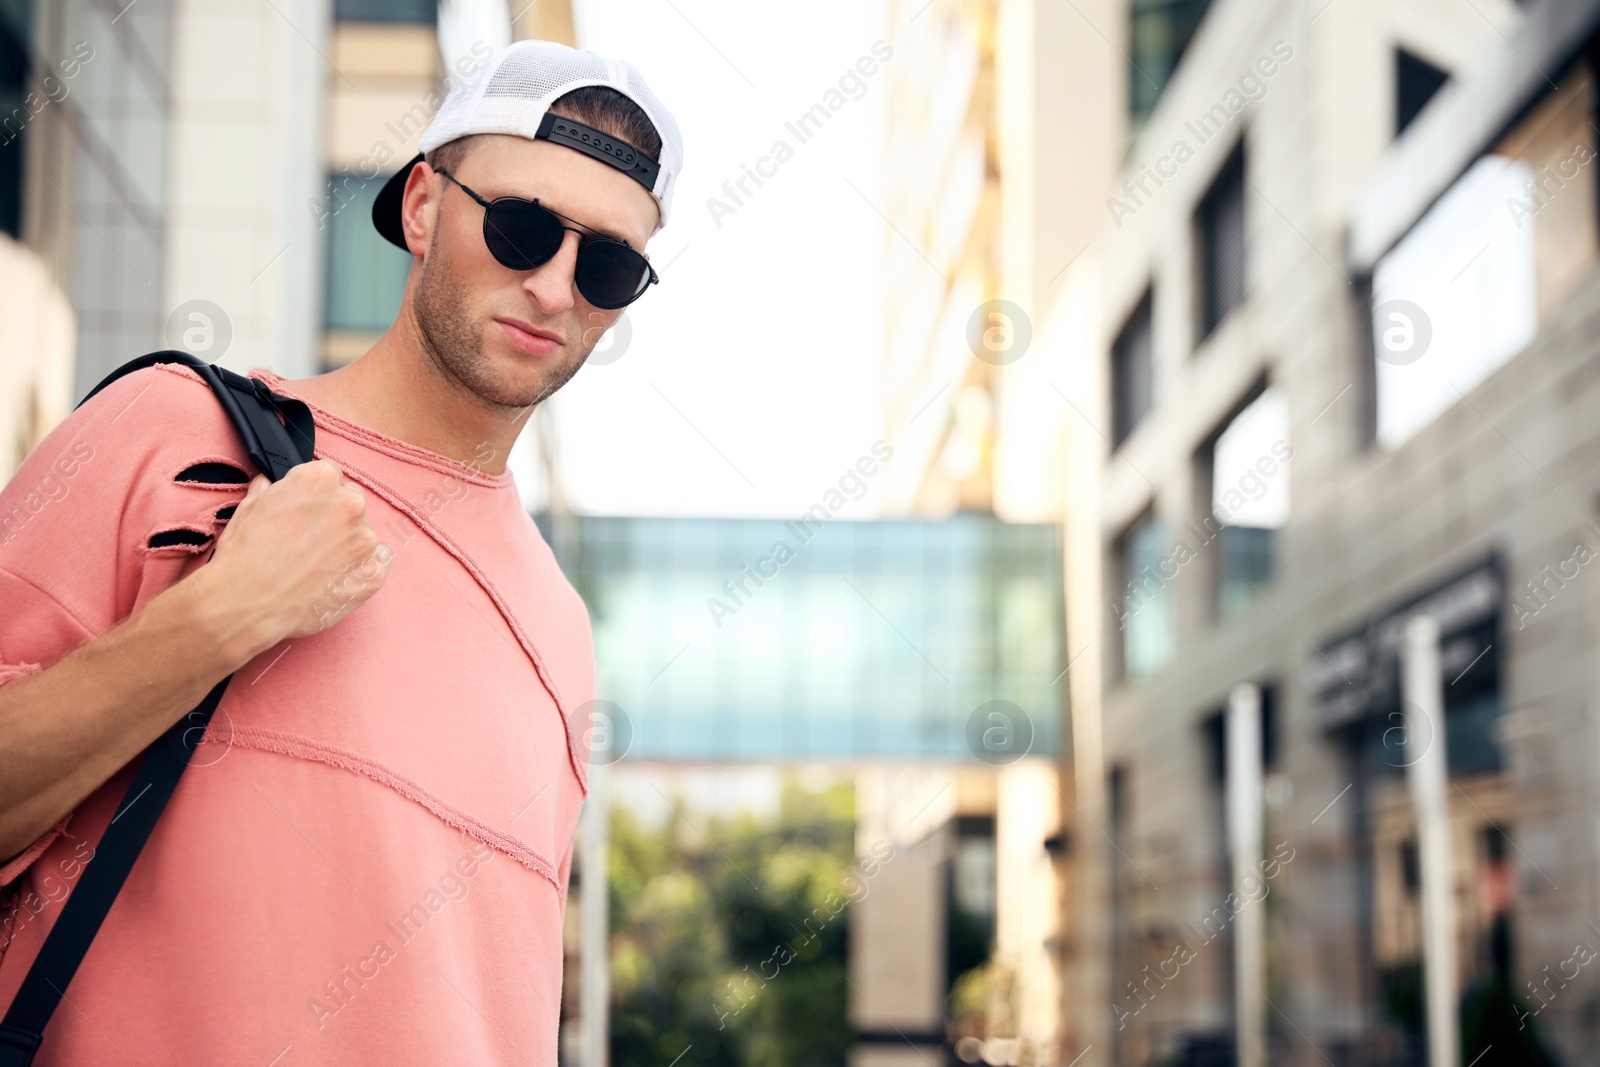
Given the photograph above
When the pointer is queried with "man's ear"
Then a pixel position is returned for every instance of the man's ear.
(419, 207)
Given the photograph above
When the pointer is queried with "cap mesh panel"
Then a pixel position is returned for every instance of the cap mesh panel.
(532, 75)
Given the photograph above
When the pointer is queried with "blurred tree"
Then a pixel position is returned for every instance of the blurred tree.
(731, 942)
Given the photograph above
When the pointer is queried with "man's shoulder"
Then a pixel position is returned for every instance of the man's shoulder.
(116, 451)
(115, 503)
(156, 415)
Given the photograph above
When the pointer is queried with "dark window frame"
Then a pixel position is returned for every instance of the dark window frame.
(1221, 245)
(1124, 387)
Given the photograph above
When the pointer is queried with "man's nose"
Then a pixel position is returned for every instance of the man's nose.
(550, 284)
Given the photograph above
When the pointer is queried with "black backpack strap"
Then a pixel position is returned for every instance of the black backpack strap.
(278, 434)
(273, 445)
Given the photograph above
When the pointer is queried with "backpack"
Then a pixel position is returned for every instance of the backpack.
(278, 434)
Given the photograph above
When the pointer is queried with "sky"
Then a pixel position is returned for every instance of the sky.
(749, 378)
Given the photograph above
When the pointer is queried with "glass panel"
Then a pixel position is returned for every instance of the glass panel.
(366, 274)
(421, 11)
(1250, 496)
(1454, 300)
(741, 639)
(1159, 31)
(1145, 610)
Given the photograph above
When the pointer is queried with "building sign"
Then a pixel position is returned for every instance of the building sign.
(1357, 676)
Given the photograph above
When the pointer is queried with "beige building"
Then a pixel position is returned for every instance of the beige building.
(1325, 366)
(976, 838)
(157, 165)
(1005, 125)
(1205, 215)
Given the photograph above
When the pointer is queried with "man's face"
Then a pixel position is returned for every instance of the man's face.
(514, 337)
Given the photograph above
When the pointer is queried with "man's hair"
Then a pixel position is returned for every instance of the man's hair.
(598, 105)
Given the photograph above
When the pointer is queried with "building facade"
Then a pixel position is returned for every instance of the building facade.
(1328, 366)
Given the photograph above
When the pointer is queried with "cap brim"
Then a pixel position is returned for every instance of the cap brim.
(386, 208)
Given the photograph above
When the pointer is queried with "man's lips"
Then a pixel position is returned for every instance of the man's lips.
(526, 338)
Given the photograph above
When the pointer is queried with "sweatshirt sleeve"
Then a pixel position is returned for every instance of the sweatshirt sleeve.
(118, 502)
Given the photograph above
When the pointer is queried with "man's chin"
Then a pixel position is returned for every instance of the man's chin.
(519, 380)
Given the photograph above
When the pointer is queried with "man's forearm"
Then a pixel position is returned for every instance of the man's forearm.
(69, 728)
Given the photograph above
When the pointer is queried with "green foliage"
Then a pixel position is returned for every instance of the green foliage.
(731, 942)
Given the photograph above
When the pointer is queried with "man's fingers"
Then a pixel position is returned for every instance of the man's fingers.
(257, 485)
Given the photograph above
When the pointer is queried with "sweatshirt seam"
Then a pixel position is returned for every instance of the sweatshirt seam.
(297, 746)
(418, 457)
(379, 442)
(444, 541)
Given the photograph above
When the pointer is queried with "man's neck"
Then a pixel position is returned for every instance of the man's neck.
(398, 389)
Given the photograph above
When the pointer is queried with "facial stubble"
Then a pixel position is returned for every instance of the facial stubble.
(455, 342)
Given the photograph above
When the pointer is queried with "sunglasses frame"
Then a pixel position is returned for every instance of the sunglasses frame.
(584, 239)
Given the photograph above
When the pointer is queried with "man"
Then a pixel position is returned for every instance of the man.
(368, 858)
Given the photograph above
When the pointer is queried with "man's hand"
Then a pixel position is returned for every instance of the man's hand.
(299, 554)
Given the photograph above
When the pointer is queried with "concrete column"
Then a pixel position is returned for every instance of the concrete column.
(594, 964)
(897, 928)
(1427, 776)
(1244, 848)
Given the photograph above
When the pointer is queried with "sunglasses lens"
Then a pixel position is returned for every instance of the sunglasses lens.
(610, 274)
(521, 235)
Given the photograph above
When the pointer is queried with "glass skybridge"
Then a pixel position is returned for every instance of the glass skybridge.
(767, 640)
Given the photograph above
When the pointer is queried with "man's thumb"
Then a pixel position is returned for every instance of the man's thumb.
(257, 484)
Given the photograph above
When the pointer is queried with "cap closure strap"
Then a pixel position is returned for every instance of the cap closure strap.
(597, 144)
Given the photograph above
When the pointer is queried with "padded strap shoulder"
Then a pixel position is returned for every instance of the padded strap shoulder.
(277, 431)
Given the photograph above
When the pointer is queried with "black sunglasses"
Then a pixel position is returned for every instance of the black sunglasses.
(524, 234)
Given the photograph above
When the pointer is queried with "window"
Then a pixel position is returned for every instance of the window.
(1159, 32)
(1143, 603)
(1132, 373)
(970, 892)
(1214, 727)
(1454, 299)
(366, 274)
(422, 11)
(1415, 82)
(1219, 223)
(1249, 497)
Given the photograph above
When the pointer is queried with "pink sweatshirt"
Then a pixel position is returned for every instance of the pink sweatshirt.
(367, 861)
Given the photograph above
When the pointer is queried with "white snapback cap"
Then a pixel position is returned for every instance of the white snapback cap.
(511, 93)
